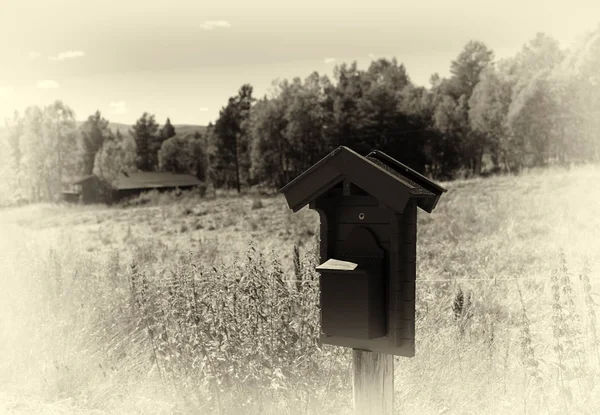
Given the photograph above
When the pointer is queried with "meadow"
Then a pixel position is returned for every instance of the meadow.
(189, 305)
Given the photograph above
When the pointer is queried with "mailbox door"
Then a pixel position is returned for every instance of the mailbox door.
(353, 303)
(345, 308)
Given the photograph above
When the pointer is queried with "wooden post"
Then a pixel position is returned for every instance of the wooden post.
(373, 382)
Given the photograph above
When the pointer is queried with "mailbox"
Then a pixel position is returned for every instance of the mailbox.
(368, 233)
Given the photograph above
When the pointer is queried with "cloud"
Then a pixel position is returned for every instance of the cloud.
(203, 109)
(69, 54)
(6, 90)
(117, 107)
(47, 84)
(371, 56)
(213, 24)
(34, 55)
(329, 60)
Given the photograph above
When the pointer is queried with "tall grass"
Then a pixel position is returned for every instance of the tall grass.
(232, 338)
(506, 311)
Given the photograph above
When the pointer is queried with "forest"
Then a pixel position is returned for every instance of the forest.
(536, 108)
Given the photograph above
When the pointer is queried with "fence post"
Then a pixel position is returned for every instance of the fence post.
(373, 382)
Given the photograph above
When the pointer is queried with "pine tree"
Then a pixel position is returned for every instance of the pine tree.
(167, 131)
(144, 133)
(229, 154)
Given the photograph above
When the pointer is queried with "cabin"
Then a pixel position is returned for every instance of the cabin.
(91, 189)
(367, 207)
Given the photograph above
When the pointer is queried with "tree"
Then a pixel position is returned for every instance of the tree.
(488, 110)
(576, 84)
(117, 155)
(469, 64)
(144, 133)
(389, 74)
(196, 160)
(416, 105)
(60, 125)
(167, 131)
(12, 175)
(542, 53)
(535, 100)
(172, 156)
(229, 145)
(245, 101)
(49, 150)
(380, 119)
(224, 164)
(33, 163)
(532, 116)
(183, 155)
(346, 114)
(304, 124)
(269, 145)
(93, 134)
(16, 129)
(450, 119)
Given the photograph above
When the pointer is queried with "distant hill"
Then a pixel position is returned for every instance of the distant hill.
(184, 129)
(180, 129)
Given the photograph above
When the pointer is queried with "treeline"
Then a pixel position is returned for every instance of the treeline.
(47, 149)
(539, 107)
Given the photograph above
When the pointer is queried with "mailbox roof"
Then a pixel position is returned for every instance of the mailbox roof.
(380, 175)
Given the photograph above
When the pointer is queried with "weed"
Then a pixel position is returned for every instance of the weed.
(590, 308)
(530, 361)
(257, 204)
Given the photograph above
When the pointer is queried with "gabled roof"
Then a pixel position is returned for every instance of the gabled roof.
(155, 180)
(378, 174)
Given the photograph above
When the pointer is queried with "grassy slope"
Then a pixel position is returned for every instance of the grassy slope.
(495, 237)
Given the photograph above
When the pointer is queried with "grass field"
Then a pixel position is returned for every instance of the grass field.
(181, 305)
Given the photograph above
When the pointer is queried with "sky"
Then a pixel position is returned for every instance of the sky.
(184, 58)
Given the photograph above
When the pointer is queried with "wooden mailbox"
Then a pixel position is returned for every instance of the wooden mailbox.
(368, 213)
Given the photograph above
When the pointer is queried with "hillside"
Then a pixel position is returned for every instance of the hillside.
(525, 248)
(181, 129)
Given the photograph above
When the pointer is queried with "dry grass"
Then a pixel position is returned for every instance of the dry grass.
(181, 305)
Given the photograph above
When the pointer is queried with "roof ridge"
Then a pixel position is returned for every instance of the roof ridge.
(374, 175)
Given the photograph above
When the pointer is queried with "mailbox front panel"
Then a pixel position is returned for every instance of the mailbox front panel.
(347, 307)
(393, 234)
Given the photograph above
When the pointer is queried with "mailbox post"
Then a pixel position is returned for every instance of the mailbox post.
(368, 235)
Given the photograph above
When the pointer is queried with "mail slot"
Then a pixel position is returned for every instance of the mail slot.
(351, 301)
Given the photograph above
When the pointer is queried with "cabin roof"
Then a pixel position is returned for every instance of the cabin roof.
(378, 174)
(147, 180)
(143, 180)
